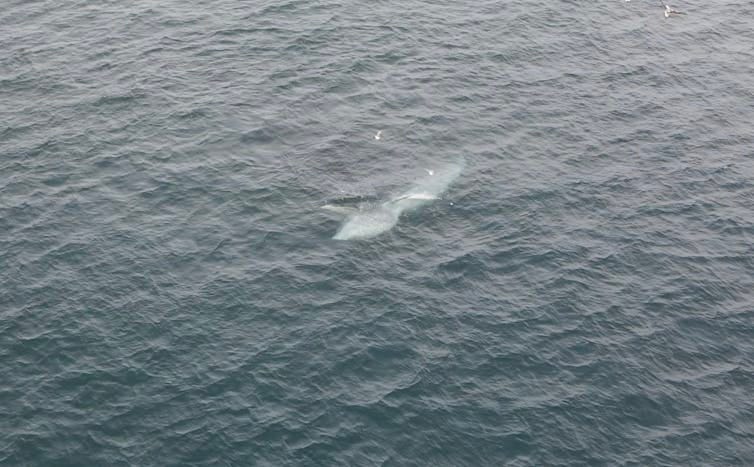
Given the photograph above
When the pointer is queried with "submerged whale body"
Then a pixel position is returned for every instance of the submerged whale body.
(368, 221)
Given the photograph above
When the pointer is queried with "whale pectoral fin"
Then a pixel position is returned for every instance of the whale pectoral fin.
(342, 210)
(418, 196)
(425, 196)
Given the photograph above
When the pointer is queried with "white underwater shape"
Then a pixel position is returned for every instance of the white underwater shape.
(370, 221)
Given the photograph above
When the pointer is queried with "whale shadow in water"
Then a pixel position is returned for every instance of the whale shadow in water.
(368, 220)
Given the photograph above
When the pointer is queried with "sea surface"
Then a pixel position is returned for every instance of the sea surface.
(171, 293)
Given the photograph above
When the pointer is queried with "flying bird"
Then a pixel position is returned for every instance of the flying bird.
(669, 11)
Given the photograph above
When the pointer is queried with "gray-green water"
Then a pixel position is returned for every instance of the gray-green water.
(170, 292)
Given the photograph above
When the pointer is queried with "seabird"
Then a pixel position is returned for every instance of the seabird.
(669, 11)
(378, 135)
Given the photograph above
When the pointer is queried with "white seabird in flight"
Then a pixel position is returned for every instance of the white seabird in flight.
(669, 11)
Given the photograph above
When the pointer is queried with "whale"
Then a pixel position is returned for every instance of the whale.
(368, 220)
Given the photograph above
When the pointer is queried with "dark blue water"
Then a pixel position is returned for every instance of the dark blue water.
(170, 292)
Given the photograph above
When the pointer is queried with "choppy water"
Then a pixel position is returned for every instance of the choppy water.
(170, 293)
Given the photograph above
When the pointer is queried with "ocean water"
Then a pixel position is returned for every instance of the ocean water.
(171, 294)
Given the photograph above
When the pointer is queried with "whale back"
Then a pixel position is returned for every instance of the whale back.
(371, 220)
(427, 188)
